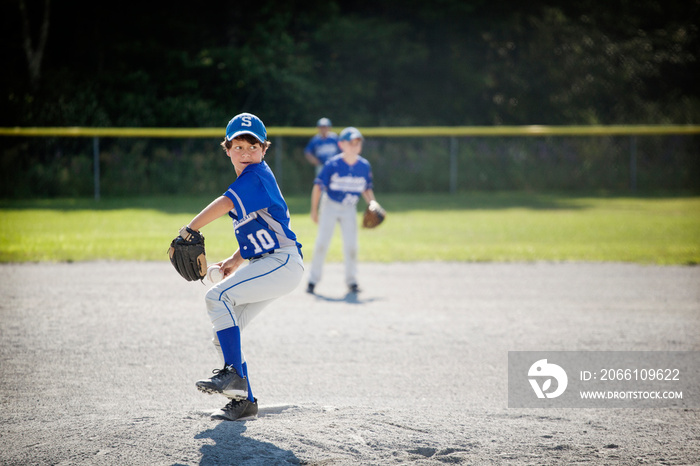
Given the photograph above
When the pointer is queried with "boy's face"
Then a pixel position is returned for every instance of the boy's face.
(353, 147)
(243, 153)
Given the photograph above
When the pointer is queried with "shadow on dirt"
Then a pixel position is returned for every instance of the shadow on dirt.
(232, 447)
(350, 298)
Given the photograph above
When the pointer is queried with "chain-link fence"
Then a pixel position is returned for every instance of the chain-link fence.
(115, 167)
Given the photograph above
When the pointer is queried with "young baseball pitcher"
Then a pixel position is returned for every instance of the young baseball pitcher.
(337, 189)
(261, 224)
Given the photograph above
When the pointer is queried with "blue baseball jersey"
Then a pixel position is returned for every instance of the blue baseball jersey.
(260, 214)
(345, 183)
(323, 148)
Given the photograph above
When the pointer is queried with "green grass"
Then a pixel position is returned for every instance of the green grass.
(464, 227)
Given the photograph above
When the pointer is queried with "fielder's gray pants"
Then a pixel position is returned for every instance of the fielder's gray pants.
(330, 213)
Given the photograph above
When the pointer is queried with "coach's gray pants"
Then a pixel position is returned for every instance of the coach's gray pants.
(330, 213)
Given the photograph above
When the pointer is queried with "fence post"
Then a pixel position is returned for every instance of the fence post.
(279, 152)
(96, 165)
(633, 163)
(453, 164)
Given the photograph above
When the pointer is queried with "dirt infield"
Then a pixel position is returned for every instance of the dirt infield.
(99, 362)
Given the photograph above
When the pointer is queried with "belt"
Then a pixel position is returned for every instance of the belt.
(263, 255)
(286, 249)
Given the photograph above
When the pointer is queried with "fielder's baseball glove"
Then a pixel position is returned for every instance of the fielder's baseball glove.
(187, 254)
(374, 215)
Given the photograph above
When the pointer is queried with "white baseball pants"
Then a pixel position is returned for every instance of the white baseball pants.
(330, 213)
(239, 298)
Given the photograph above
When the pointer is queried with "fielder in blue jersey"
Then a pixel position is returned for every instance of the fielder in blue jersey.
(337, 189)
(322, 146)
(261, 224)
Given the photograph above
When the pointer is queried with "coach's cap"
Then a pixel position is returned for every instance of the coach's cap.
(324, 122)
(350, 133)
(246, 123)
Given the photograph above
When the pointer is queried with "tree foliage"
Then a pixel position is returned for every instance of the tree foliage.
(387, 62)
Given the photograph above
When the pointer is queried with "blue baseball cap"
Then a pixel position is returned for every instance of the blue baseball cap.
(246, 123)
(350, 133)
(324, 122)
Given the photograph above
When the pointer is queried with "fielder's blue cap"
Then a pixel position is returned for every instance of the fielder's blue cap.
(324, 122)
(246, 123)
(350, 133)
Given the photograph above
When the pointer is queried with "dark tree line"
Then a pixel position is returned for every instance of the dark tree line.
(365, 63)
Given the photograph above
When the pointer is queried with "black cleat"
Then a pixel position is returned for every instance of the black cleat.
(354, 288)
(310, 288)
(238, 410)
(227, 382)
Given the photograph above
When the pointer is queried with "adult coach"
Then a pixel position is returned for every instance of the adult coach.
(322, 146)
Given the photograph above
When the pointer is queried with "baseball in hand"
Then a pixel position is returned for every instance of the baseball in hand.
(214, 274)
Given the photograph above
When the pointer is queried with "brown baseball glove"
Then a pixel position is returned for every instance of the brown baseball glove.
(374, 215)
